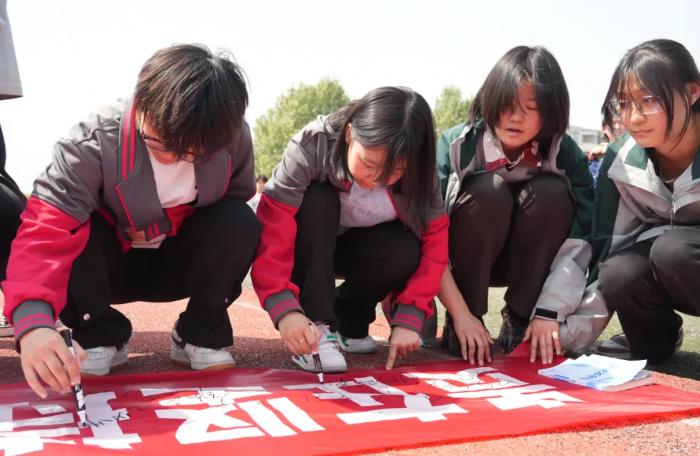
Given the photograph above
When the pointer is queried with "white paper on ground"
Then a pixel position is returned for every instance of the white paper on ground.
(597, 372)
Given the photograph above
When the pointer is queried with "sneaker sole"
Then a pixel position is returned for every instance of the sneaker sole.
(182, 359)
(360, 351)
(327, 369)
(116, 364)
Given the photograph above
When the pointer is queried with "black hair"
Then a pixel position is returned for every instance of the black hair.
(499, 91)
(192, 98)
(400, 120)
(261, 177)
(661, 67)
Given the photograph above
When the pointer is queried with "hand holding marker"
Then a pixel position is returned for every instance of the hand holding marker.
(77, 389)
(316, 357)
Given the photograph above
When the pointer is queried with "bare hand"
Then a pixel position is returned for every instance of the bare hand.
(298, 333)
(545, 335)
(403, 341)
(474, 339)
(46, 357)
(598, 151)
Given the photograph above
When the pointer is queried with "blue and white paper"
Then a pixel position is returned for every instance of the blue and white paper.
(597, 372)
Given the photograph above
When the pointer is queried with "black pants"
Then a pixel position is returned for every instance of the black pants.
(207, 261)
(507, 234)
(11, 206)
(374, 261)
(647, 282)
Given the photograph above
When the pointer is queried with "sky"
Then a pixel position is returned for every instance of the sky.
(77, 55)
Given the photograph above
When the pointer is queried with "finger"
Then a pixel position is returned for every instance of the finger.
(46, 376)
(70, 364)
(300, 343)
(557, 344)
(528, 333)
(482, 347)
(33, 381)
(291, 346)
(543, 348)
(472, 350)
(56, 368)
(550, 354)
(463, 346)
(312, 336)
(487, 351)
(391, 359)
(533, 349)
(402, 350)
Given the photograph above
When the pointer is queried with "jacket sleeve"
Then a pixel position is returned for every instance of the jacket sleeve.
(414, 302)
(272, 269)
(444, 164)
(242, 182)
(443, 161)
(54, 230)
(563, 289)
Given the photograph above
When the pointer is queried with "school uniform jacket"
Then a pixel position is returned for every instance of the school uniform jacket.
(562, 291)
(306, 159)
(632, 204)
(102, 166)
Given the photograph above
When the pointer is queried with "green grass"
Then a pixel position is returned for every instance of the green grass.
(686, 363)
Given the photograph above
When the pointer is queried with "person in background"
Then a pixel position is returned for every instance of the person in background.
(260, 182)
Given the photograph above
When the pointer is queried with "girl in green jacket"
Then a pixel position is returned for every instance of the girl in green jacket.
(519, 195)
(646, 226)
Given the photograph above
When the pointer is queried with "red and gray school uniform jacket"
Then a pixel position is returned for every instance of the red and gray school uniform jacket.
(103, 166)
(560, 298)
(306, 159)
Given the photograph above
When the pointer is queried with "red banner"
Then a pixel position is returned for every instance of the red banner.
(255, 411)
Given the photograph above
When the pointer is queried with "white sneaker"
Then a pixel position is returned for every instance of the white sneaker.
(101, 360)
(6, 329)
(364, 345)
(199, 358)
(332, 360)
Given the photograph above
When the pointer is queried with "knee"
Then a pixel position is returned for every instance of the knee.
(674, 251)
(546, 195)
(403, 253)
(320, 198)
(235, 221)
(618, 280)
(485, 200)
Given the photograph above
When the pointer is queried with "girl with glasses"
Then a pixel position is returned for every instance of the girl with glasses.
(519, 195)
(646, 223)
(355, 196)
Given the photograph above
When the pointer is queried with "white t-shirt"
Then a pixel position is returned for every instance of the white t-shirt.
(361, 208)
(176, 185)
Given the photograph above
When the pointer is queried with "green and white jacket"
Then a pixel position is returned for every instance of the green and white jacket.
(632, 204)
(562, 292)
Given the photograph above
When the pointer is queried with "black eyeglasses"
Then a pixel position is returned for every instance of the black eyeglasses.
(160, 146)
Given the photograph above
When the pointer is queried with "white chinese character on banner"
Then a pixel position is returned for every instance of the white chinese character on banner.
(415, 405)
(221, 402)
(102, 420)
(504, 392)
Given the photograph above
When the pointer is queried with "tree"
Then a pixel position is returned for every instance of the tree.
(299, 106)
(450, 109)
